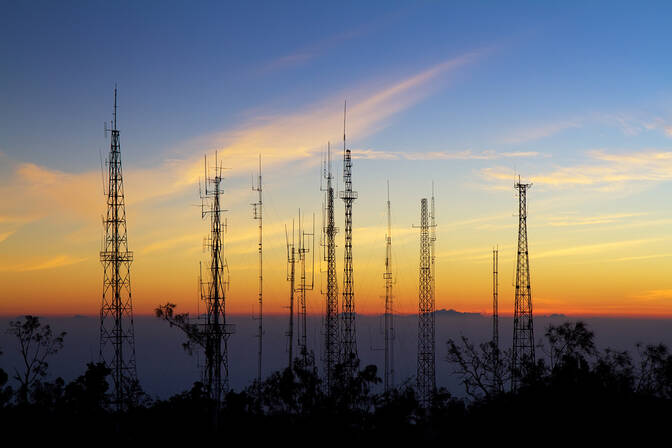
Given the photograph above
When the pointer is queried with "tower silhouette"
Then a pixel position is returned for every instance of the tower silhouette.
(117, 339)
(329, 230)
(426, 369)
(389, 302)
(258, 214)
(523, 330)
(348, 333)
(214, 329)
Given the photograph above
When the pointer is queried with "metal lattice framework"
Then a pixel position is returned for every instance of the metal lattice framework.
(215, 330)
(495, 298)
(291, 270)
(331, 333)
(305, 241)
(426, 373)
(389, 305)
(117, 340)
(348, 333)
(523, 330)
(258, 214)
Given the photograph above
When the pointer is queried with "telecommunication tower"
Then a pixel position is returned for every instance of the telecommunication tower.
(523, 331)
(348, 333)
(291, 269)
(329, 230)
(215, 330)
(389, 306)
(117, 340)
(426, 371)
(306, 239)
(258, 214)
(495, 298)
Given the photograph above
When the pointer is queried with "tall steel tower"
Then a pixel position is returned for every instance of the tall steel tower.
(117, 340)
(329, 230)
(305, 241)
(348, 334)
(426, 373)
(495, 298)
(258, 214)
(214, 329)
(523, 332)
(389, 306)
(291, 269)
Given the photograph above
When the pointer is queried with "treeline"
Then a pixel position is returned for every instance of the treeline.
(571, 386)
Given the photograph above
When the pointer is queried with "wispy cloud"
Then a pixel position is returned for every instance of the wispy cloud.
(606, 171)
(440, 155)
(540, 131)
(587, 249)
(564, 221)
(50, 263)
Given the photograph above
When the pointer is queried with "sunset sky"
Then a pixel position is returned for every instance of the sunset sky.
(575, 98)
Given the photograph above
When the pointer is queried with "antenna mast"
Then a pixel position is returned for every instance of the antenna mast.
(257, 210)
(523, 331)
(117, 337)
(348, 335)
(495, 298)
(389, 309)
(216, 331)
(304, 286)
(331, 333)
(291, 264)
(426, 373)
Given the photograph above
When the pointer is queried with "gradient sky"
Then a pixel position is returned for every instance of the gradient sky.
(573, 96)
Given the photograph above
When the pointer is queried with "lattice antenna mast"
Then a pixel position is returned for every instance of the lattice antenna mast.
(495, 298)
(291, 265)
(215, 330)
(389, 306)
(331, 333)
(348, 333)
(117, 339)
(306, 240)
(258, 214)
(523, 330)
(426, 369)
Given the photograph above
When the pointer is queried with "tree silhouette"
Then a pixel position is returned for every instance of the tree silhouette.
(36, 343)
(483, 369)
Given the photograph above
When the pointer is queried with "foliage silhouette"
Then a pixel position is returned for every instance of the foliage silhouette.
(36, 343)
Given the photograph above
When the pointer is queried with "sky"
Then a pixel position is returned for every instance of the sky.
(574, 97)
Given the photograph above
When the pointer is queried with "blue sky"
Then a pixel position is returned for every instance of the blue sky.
(574, 96)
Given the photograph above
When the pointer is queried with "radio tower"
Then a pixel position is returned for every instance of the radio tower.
(497, 379)
(257, 210)
(291, 265)
(495, 298)
(304, 286)
(426, 374)
(117, 340)
(329, 230)
(389, 309)
(348, 336)
(523, 332)
(215, 330)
